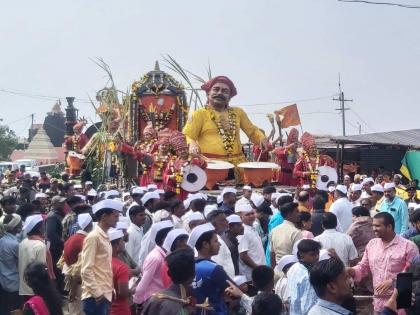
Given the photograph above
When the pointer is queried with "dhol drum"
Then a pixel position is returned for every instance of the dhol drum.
(217, 171)
(258, 173)
(75, 162)
(326, 176)
(194, 178)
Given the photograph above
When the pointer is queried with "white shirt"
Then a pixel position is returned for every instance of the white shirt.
(177, 222)
(146, 247)
(133, 245)
(340, 242)
(281, 289)
(29, 251)
(250, 242)
(224, 258)
(342, 209)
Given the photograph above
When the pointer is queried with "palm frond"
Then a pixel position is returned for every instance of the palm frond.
(176, 67)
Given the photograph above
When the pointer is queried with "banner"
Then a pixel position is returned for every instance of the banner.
(289, 116)
(410, 165)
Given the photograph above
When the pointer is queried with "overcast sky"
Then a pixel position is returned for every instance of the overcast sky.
(275, 51)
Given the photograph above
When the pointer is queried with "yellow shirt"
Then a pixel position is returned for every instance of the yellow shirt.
(203, 130)
(96, 270)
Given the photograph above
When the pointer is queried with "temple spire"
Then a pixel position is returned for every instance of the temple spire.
(157, 66)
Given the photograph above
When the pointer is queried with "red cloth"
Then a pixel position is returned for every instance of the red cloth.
(220, 79)
(37, 305)
(256, 151)
(120, 274)
(302, 166)
(285, 174)
(72, 247)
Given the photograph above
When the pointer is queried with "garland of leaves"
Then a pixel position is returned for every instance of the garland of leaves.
(228, 136)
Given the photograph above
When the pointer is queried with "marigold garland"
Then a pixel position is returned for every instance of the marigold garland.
(228, 136)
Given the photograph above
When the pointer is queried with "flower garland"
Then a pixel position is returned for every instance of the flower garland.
(229, 135)
(313, 171)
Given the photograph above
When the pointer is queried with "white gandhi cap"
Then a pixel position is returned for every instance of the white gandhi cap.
(197, 232)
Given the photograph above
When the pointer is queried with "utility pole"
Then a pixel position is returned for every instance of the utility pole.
(360, 128)
(343, 107)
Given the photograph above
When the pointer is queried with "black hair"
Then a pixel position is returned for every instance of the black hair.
(265, 208)
(303, 196)
(181, 265)
(116, 241)
(36, 230)
(169, 195)
(415, 216)
(100, 213)
(175, 204)
(25, 210)
(323, 272)
(287, 209)
(205, 237)
(134, 210)
(267, 303)
(179, 238)
(360, 211)
(67, 186)
(83, 208)
(269, 190)
(318, 202)
(386, 218)
(8, 200)
(262, 276)
(329, 220)
(160, 205)
(161, 235)
(304, 216)
(198, 204)
(308, 245)
(283, 200)
(7, 218)
(36, 203)
(37, 277)
(71, 201)
(340, 193)
(214, 214)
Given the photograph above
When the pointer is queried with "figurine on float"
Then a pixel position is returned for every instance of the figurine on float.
(174, 172)
(306, 167)
(74, 145)
(214, 131)
(286, 158)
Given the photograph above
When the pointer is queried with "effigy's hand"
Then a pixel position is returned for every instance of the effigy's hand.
(266, 145)
(194, 148)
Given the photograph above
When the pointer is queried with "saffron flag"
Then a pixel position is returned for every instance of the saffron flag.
(289, 116)
(410, 165)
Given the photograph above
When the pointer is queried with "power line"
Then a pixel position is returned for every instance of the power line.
(40, 96)
(401, 5)
(363, 121)
(292, 101)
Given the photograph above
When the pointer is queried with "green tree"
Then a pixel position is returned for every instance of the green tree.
(8, 142)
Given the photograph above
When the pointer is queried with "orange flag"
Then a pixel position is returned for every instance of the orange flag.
(289, 116)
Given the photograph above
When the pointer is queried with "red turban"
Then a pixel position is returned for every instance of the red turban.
(293, 136)
(308, 141)
(220, 79)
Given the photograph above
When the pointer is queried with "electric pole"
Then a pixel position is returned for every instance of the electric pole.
(343, 107)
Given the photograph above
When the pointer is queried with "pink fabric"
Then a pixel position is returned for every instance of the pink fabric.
(38, 306)
(384, 263)
(154, 277)
(307, 235)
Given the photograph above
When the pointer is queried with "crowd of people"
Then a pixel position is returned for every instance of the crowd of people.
(68, 248)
